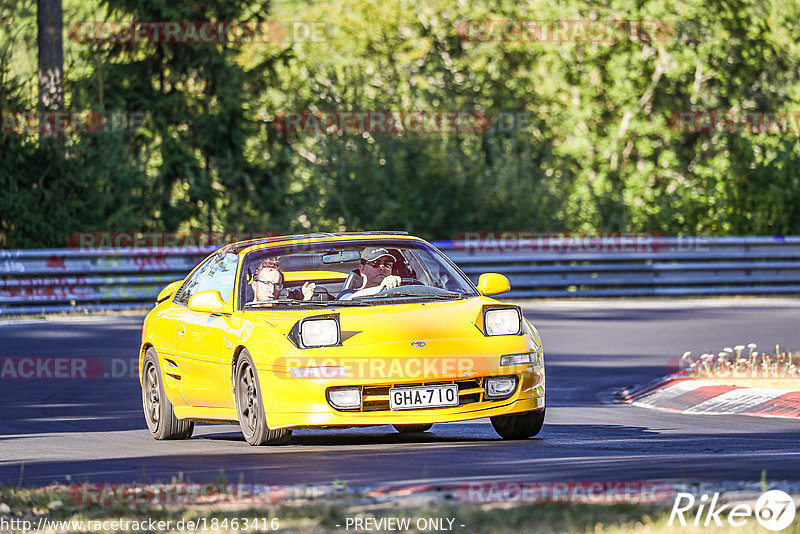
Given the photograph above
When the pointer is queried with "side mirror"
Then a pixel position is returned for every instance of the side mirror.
(493, 284)
(208, 302)
(169, 290)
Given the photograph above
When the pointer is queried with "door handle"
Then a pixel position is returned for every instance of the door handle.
(181, 330)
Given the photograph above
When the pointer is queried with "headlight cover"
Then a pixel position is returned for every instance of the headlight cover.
(500, 320)
(316, 331)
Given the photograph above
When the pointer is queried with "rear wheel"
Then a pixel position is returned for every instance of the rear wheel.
(413, 429)
(519, 426)
(158, 413)
(250, 406)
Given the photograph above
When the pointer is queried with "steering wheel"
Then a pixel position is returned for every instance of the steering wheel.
(410, 282)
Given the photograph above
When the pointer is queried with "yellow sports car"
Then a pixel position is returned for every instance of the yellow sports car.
(333, 331)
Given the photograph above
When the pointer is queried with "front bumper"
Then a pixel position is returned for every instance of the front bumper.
(300, 403)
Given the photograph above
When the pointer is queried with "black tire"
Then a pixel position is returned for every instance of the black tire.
(519, 426)
(413, 429)
(250, 406)
(158, 413)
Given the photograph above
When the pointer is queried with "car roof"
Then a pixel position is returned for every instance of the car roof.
(320, 237)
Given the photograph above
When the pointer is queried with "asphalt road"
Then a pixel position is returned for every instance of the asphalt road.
(63, 430)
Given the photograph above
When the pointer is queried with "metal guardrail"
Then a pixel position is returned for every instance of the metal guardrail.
(39, 281)
(658, 266)
(58, 280)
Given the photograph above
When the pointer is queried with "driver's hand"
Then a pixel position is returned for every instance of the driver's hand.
(390, 282)
(308, 290)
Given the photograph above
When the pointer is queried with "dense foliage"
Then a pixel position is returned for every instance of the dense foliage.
(592, 144)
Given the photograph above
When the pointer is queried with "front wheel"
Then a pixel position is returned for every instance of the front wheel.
(158, 413)
(413, 429)
(519, 426)
(250, 406)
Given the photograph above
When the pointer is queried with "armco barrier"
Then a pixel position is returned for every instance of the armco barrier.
(555, 267)
(34, 281)
(57, 280)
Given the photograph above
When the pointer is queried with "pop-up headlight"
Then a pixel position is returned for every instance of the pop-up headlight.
(500, 320)
(316, 331)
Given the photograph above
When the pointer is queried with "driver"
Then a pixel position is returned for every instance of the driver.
(376, 273)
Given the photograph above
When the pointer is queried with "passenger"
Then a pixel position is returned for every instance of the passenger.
(376, 274)
(267, 283)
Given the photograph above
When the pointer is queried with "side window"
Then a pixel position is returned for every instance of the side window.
(427, 268)
(218, 273)
(187, 289)
(437, 271)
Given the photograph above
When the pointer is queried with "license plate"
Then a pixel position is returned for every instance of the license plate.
(423, 397)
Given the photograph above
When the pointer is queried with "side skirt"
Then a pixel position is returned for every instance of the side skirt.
(207, 415)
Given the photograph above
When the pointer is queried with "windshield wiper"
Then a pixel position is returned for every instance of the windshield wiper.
(293, 302)
(282, 302)
(450, 296)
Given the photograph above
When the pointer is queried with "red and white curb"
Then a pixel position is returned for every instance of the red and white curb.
(677, 393)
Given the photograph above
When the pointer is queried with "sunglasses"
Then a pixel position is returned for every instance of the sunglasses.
(384, 263)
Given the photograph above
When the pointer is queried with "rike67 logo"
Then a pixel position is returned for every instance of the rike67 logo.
(774, 510)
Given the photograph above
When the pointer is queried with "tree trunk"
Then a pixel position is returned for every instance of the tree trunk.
(49, 19)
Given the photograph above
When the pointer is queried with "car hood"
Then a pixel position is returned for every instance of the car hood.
(440, 338)
(428, 321)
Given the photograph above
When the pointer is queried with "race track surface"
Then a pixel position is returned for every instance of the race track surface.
(65, 431)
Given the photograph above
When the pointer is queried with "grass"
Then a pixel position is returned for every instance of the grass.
(331, 514)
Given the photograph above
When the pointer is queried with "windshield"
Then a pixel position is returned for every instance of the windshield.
(362, 273)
